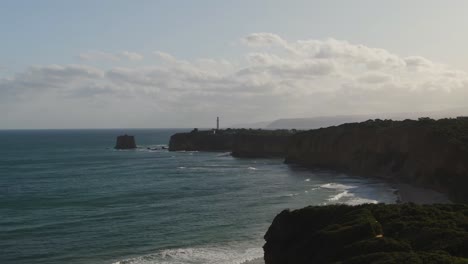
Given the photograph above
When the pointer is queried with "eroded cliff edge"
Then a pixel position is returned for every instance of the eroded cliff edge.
(426, 152)
(369, 233)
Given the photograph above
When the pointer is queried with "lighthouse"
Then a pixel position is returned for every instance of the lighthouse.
(217, 123)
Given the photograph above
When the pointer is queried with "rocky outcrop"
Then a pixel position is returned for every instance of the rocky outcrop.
(427, 153)
(125, 142)
(370, 233)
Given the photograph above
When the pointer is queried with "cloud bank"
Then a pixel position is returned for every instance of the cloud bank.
(275, 78)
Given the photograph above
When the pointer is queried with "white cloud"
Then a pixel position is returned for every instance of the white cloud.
(98, 56)
(294, 78)
(108, 56)
(131, 55)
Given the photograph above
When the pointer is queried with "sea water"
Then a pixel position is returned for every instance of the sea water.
(66, 196)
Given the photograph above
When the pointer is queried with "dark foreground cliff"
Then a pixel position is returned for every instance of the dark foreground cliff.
(426, 153)
(370, 233)
(249, 143)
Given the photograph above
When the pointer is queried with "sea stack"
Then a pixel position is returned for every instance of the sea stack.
(125, 142)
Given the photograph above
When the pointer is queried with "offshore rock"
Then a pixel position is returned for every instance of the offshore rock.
(125, 142)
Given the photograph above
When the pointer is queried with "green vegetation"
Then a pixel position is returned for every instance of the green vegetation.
(370, 233)
(455, 129)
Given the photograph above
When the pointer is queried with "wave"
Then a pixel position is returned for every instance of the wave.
(358, 200)
(208, 255)
(337, 186)
(224, 154)
(340, 195)
(252, 168)
(345, 195)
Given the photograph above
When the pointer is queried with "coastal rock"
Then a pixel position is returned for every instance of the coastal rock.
(125, 142)
(424, 153)
(370, 233)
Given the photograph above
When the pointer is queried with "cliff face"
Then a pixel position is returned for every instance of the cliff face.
(370, 233)
(253, 146)
(201, 141)
(420, 153)
(241, 142)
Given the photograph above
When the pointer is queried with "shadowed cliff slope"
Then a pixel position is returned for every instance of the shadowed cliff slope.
(427, 153)
(370, 233)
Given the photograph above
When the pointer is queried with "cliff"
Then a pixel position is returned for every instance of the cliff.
(257, 145)
(427, 153)
(370, 233)
(201, 141)
(241, 142)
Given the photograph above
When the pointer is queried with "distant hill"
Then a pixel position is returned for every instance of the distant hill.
(327, 121)
(255, 125)
(315, 122)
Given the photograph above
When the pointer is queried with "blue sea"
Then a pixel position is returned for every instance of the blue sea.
(66, 196)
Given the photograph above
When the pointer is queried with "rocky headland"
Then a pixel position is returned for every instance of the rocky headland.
(247, 143)
(369, 233)
(427, 153)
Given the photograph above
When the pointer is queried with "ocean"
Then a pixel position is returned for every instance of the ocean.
(66, 196)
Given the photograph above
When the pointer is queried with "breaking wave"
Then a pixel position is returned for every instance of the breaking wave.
(206, 255)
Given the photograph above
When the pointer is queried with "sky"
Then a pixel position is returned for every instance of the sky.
(161, 64)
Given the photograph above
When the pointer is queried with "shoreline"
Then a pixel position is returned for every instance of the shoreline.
(408, 193)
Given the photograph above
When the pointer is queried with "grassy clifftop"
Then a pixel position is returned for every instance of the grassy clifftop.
(370, 233)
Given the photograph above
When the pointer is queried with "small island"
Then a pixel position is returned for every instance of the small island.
(125, 142)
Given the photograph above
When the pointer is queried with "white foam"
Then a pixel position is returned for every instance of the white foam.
(252, 168)
(358, 200)
(307, 180)
(337, 186)
(340, 196)
(181, 167)
(209, 255)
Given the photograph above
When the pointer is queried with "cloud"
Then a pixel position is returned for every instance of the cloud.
(107, 56)
(98, 56)
(275, 78)
(131, 55)
(374, 78)
(263, 39)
